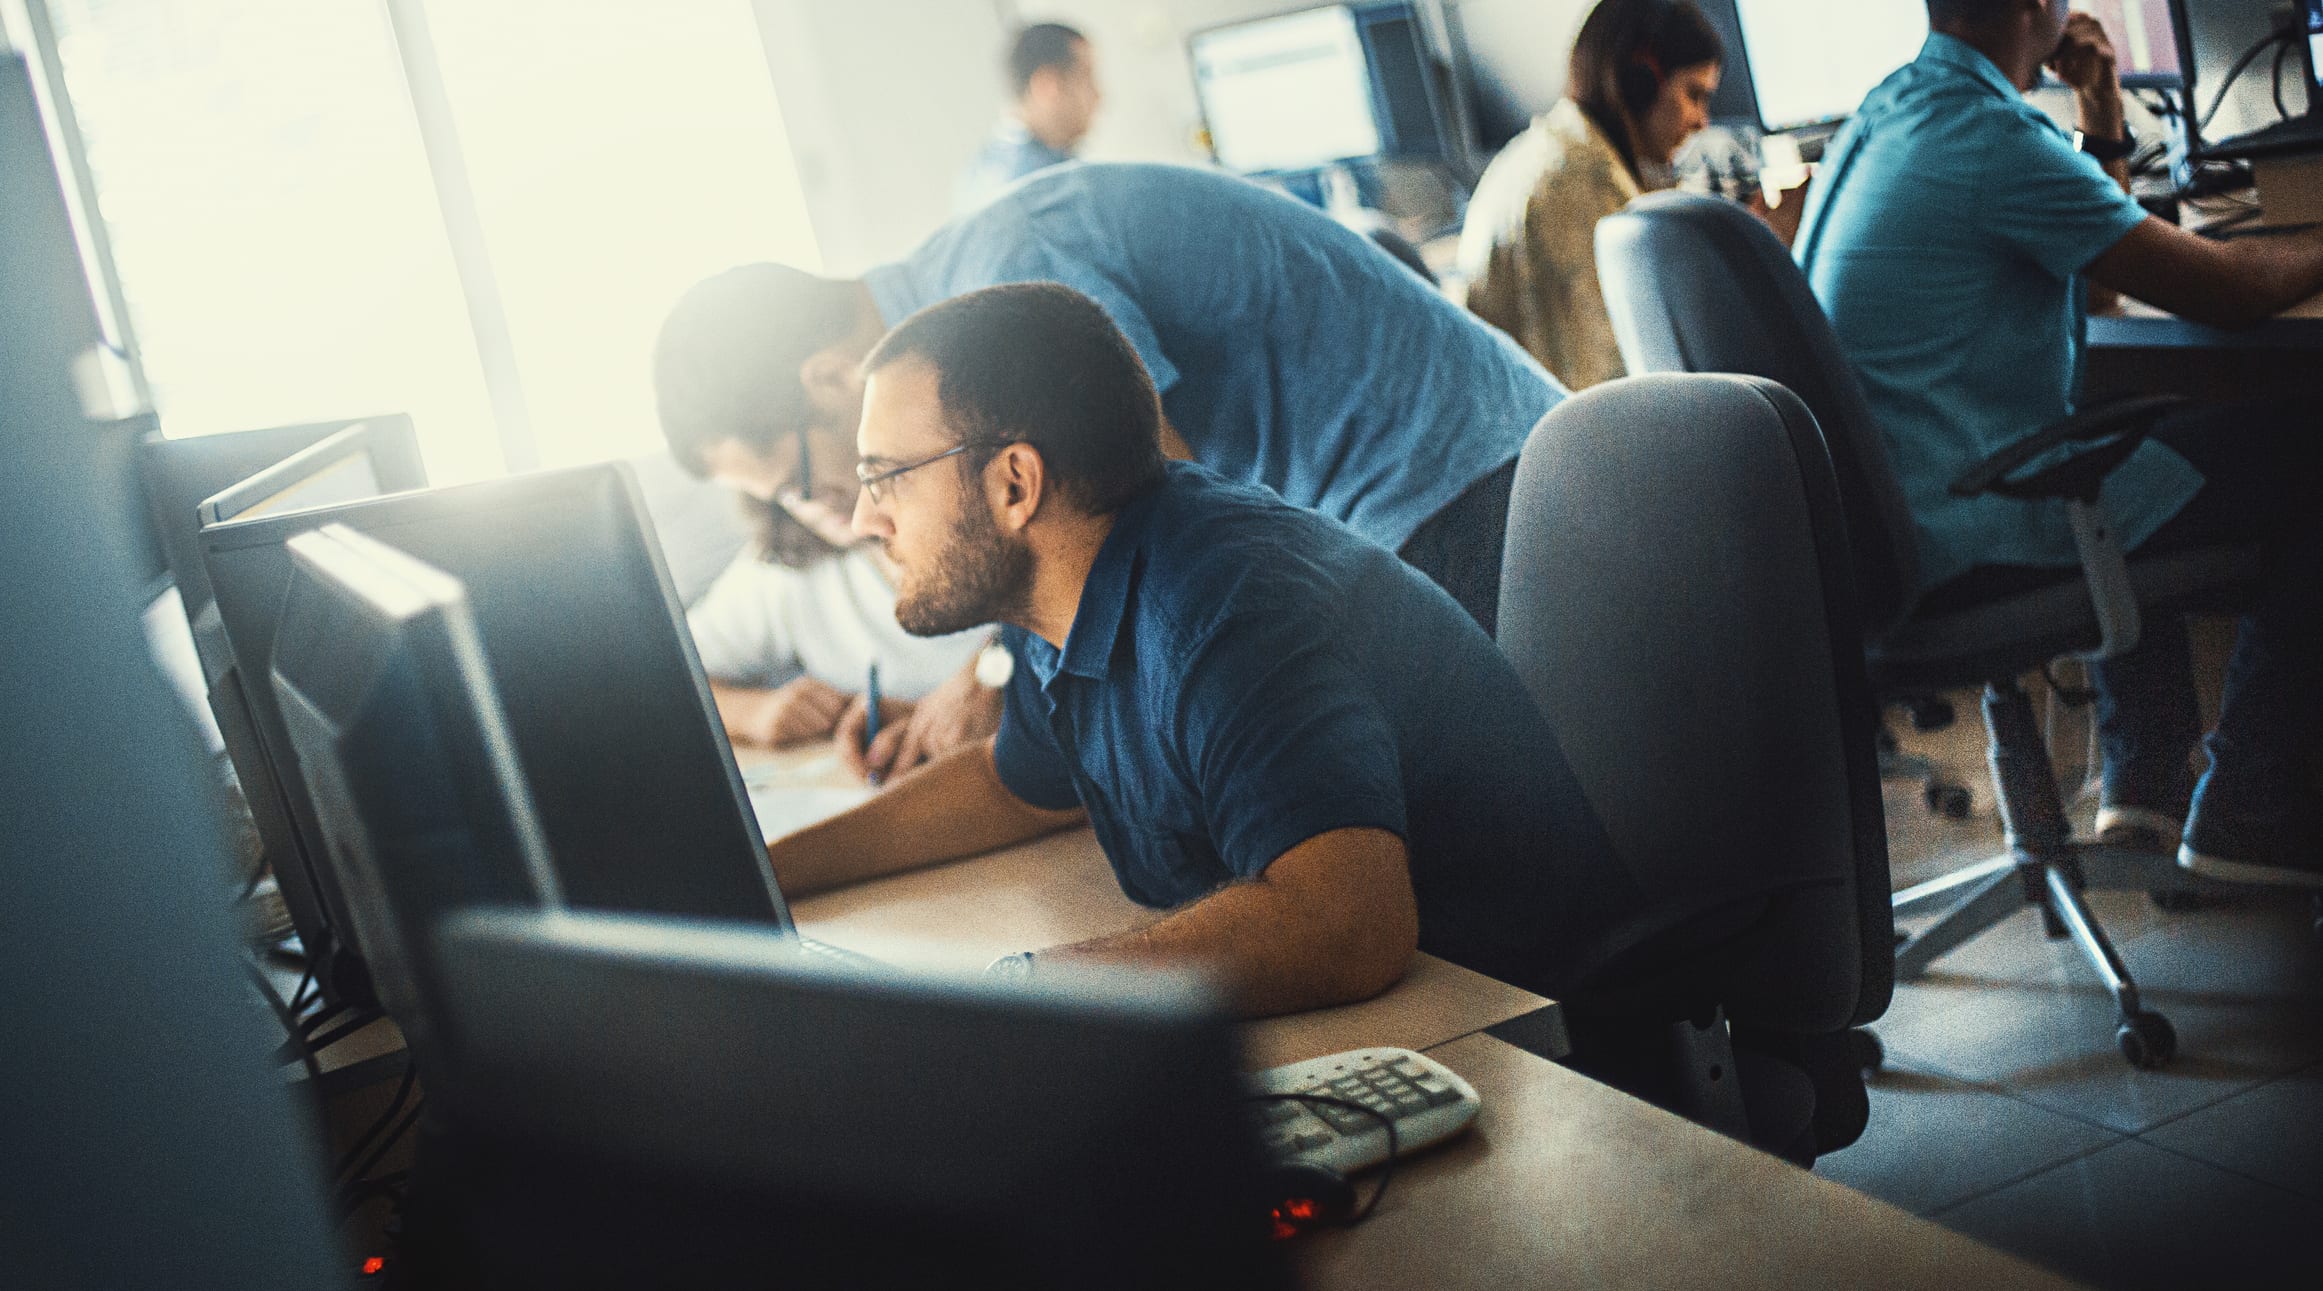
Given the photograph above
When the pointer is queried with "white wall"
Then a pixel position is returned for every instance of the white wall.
(884, 101)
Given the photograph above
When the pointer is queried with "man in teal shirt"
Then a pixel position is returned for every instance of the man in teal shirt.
(1949, 237)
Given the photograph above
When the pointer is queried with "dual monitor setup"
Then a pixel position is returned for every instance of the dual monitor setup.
(489, 778)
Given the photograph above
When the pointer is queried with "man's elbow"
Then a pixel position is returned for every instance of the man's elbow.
(1373, 958)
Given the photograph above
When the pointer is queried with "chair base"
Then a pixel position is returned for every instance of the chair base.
(1981, 895)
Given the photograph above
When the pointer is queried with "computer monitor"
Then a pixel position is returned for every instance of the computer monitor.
(180, 474)
(633, 1100)
(1812, 64)
(401, 745)
(630, 771)
(2146, 37)
(1321, 87)
(342, 467)
(2311, 29)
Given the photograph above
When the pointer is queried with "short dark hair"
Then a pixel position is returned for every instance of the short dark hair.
(726, 365)
(1043, 44)
(1968, 13)
(1624, 52)
(1039, 363)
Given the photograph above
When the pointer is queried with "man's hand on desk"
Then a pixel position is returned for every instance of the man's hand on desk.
(804, 709)
(956, 714)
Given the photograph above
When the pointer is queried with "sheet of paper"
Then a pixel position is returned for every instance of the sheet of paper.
(786, 809)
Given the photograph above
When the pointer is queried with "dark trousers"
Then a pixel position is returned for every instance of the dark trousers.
(1460, 546)
(2262, 484)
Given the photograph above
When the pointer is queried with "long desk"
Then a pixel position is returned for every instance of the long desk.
(1561, 1181)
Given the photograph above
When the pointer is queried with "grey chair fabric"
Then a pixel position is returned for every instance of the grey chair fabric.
(1698, 284)
(1677, 598)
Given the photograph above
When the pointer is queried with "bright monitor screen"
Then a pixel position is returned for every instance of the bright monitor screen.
(2145, 39)
(1287, 93)
(2314, 21)
(1812, 63)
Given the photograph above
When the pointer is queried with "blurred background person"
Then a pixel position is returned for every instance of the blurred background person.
(1053, 75)
(1642, 75)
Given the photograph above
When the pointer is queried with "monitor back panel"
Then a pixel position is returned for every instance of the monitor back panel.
(179, 473)
(612, 719)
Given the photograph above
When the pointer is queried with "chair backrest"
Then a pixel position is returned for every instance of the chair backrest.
(1699, 284)
(1677, 598)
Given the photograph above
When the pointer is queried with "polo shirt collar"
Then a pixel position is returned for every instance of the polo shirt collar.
(1953, 52)
(1105, 596)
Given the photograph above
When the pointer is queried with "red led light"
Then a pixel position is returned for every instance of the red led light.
(1300, 1209)
(373, 1265)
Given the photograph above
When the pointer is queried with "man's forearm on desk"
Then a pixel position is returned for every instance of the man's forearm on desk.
(955, 807)
(1331, 921)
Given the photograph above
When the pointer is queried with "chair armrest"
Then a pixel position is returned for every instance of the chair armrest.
(2120, 424)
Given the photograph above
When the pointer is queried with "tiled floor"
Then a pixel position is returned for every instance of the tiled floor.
(2006, 1112)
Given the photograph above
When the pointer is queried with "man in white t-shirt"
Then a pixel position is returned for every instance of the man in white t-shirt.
(786, 647)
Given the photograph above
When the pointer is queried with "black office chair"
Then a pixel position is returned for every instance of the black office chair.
(1695, 284)
(1676, 596)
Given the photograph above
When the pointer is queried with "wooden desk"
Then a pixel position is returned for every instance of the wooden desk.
(1566, 1182)
(1562, 1181)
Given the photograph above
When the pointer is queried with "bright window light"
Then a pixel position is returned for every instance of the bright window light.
(618, 153)
(272, 218)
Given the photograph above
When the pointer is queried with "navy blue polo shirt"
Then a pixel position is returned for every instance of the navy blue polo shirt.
(1243, 675)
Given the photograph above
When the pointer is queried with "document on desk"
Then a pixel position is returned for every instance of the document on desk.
(788, 808)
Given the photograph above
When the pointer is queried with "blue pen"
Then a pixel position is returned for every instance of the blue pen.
(871, 715)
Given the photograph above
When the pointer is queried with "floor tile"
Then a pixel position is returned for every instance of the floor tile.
(2273, 1133)
(2025, 1014)
(1934, 1141)
(2134, 1216)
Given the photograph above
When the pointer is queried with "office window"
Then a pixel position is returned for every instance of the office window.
(305, 226)
(271, 217)
(618, 152)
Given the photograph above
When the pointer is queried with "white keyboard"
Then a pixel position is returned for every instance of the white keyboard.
(1427, 1101)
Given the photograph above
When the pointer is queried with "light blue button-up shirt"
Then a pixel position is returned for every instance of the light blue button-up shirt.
(1945, 236)
(1289, 350)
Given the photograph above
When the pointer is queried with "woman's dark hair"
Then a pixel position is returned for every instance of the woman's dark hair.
(1626, 50)
(726, 365)
(1039, 363)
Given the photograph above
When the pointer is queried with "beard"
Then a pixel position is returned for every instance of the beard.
(979, 577)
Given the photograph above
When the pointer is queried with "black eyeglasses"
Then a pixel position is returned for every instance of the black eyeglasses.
(875, 482)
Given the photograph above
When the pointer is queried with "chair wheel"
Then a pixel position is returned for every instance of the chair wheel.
(2177, 900)
(1870, 1055)
(2147, 1040)
(1951, 801)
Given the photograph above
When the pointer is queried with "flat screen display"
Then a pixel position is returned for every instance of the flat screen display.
(1288, 93)
(1812, 63)
(2145, 39)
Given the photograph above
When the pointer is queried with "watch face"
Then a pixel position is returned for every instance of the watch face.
(994, 666)
(1010, 968)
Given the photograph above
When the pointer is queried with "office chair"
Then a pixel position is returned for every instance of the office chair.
(1700, 285)
(1676, 597)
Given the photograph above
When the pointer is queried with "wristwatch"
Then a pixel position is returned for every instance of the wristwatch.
(1010, 968)
(2108, 149)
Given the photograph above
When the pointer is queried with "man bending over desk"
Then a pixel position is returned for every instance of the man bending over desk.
(1289, 352)
(1280, 732)
(1950, 228)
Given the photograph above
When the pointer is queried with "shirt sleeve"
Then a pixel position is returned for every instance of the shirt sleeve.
(1025, 752)
(2052, 202)
(738, 625)
(1284, 743)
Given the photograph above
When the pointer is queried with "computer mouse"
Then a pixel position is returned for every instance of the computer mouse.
(1305, 1196)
